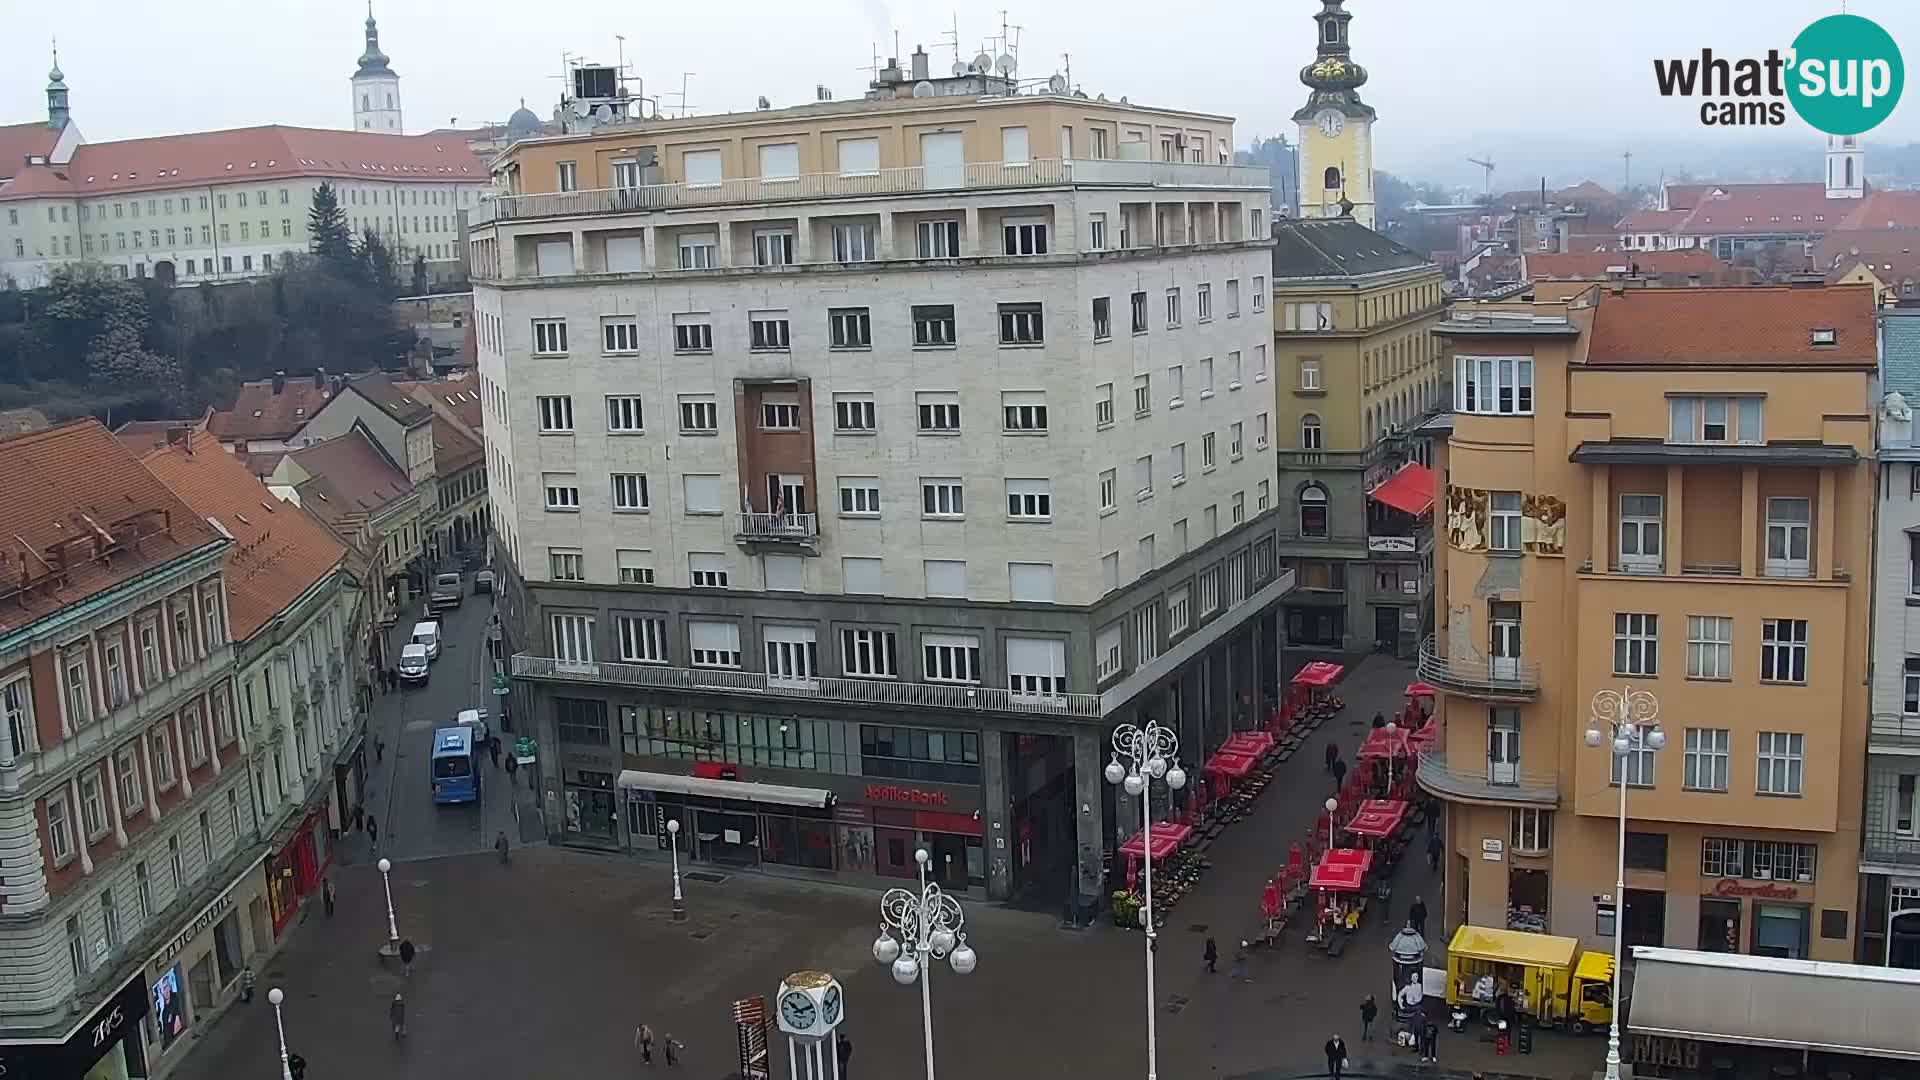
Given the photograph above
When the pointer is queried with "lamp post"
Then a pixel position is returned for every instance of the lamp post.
(917, 928)
(274, 997)
(1333, 807)
(393, 928)
(673, 841)
(1392, 730)
(1624, 719)
(1149, 755)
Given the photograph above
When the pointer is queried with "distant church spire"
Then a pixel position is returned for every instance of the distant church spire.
(58, 110)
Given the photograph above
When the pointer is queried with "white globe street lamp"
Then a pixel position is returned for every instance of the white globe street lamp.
(1142, 755)
(1626, 720)
(673, 841)
(1333, 807)
(917, 928)
(274, 997)
(393, 927)
(1392, 730)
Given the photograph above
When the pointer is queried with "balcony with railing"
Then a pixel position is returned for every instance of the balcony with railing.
(882, 183)
(1480, 779)
(1894, 731)
(881, 693)
(1495, 677)
(779, 530)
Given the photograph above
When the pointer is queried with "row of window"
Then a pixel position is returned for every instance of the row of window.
(1531, 833)
(1636, 647)
(94, 803)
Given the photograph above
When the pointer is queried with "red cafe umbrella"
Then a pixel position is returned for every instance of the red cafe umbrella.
(1378, 818)
(1342, 870)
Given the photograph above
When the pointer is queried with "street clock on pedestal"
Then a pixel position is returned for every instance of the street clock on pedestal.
(809, 1004)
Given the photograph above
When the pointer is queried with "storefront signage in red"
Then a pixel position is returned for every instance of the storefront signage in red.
(1764, 890)
(894, 793)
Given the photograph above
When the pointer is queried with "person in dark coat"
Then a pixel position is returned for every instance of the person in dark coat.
(493, 749)
(1339, 773)
(1369, 1012)
(843, 1050)
(1430, 1042)
(326, 896)
(1333, 755)
(1211, 956)
(373, 831)
(1379, 720)
(643, 1038)
(406, 956)
(1336, 1057)
(1417, 916)
(397, 1012)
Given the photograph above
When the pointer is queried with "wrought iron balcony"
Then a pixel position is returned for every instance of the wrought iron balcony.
(1497, 677)
(1885, 847)
(798, 529)
(1481, 780)
(886, 693)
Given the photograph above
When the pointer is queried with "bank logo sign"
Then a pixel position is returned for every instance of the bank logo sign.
(1842, 75)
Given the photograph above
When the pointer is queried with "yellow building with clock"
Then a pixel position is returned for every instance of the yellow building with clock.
(1336, 127)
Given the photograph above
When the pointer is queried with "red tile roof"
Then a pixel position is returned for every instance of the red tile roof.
(458, 394)
(1884, 210)
(241, 155)
(1584, 265)
(260, 413)
(349, 477)
(453, 449)
(64, 493)
(1746, 325)
(1652, 221)
(141, 436)
(1729, 209)
(21, 141)
(1877, 246)
(279, 550)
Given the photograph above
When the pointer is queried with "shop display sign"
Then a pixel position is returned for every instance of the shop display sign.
(92, 1040)
(205, 919)
(895, 793)
(1764, 890)
(1666, 1052)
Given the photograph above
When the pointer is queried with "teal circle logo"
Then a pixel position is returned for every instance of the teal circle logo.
(1846, 75)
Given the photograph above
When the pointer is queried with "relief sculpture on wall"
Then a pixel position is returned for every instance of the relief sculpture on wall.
(1466, 518)
(1543, 524)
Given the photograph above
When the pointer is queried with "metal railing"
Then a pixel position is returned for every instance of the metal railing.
(1890, 848)
(977, 175)
(1482, 779)
(1894, 729)
(1475, 675)
(794, 527)
(887, 693)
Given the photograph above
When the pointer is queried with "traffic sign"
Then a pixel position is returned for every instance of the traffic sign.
(523, 750)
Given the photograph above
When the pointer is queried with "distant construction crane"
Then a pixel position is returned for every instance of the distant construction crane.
(1486, 172)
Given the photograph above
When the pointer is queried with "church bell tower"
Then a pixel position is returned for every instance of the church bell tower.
(1336, 127)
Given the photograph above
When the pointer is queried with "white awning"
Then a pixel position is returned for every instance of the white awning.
(1764, 1001)
(819, 798)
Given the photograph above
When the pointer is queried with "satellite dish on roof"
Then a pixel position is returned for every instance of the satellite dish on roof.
(982, 64)
(959, 69)
(1004, 65)
(603, 113)
(923, 88)
(1057, 84)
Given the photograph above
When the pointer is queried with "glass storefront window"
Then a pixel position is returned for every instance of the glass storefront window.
(777, 742)
(797, 842)
(1780, 930)
(169, 1007)
(949, 757)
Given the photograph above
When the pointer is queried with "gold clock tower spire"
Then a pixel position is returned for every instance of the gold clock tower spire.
(1336, 127)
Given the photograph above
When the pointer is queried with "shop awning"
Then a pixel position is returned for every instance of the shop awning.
(1342, 870)
(1765, 1001)
(1410, 489)
(745, 790)
(1378, 817)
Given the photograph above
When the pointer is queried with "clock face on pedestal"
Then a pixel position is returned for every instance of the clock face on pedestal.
(797, 1012)
(830, 1006)
(1331, 122)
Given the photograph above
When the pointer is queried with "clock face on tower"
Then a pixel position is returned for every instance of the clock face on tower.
(797, 1010)
(830, 1006)
(1331, 122)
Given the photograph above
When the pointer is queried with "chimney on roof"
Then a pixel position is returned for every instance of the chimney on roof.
(319, 378)
(279, 381)
(180, 435)
(919, 64)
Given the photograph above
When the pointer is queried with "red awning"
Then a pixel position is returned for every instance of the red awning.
(1342, 870)
(1378, 817)
(1422, 689)
(1410, 489)
(1167, 838)
(1382, 743)
(1424, 737)
(1318, 673)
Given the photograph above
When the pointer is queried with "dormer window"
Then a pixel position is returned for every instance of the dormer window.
(1823, 336)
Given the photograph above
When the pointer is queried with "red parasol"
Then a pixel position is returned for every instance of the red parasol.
(1319, 673)
(1167, 838)
(1248, 743)
(1383, 743)
(1422, 689)
(1378, 818)
(1342, 870)
(1424, 737)
(1229, 765)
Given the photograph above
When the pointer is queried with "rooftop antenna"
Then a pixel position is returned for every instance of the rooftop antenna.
(873, 69)
(1626, 180)
(684, 76)
(1067, 59)
(953, 37)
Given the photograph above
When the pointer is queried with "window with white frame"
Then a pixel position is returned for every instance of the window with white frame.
(950, 658)
(1143, 476)
(1206, 377)
(1173, 309)
(549, 337)
(1203, 302)
(1023, 412)
(1306, 318)
(1640, 534)
(1103, 405)
(713, 644)
(566, 564)
(59, 829)
(1310, 432)
(1636, 644)
(1139, 301)
(1709, 647)
(1239, 507)
(626, 174)
(1030, 499)
(1906, 806)
(1108, 658)
(1030, 582)
(699, 251)
(1493, 385)
(1176, 386)
(1209, 590)
(79, 694)
(855, 242)
(1259, 363)
(1021, 324)
(619, 334)
(195, 734)
(1909, 687)
(854, 414)
(1108, 490)
(939, 239)
(693, 333)
(1260, 432)
(699, 415)
(211, 618)
(1783, 650)
(563, 490)
(556, 414)
(769, 331)
(1714, 420)
(1264, 497)
(634, 566)
(16, 709)
(860, 496)
(707, 570)
(630, 493)
(1036, 667)
(1531, 830)
(126, 774)
(573, 639)
(1789, 536)
(1708, 756)
(792, 655)
(942, 498)
(1177, 464)
(1207, 457)
(1110, 571)
(1503, 521)
(933, 326)
(643, 638)
(1179, 611)
(625, 415)
(93, 806)
(1096, 232)
(1102, 318)
(779, 414)
(773, 247)
(1233, 298)
(869, 654)
(1145, 621)
(849, 328)
(939, 411)
(1259, 297)
(1636, 764)
(1235, 369)
(1025, 237)
(1781, 763)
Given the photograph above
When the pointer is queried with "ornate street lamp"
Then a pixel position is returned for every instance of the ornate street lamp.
(1142, 755)
(917, 928)
(1625, 720)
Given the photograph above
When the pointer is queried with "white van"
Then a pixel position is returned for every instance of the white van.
(477, 720)
(428, 634)
(413, 663)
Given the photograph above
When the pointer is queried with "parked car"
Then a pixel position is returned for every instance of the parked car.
(482, 582)
(446, 591)
(414, 664)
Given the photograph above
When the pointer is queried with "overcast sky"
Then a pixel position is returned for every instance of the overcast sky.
(1446, 75)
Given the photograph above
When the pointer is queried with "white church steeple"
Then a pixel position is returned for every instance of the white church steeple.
(376, 89)
(1846, 168)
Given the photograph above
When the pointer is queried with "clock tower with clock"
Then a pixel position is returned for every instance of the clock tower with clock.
(1336, 127)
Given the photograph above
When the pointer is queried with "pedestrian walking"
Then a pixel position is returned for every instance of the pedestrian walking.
(1430, 1042)
(1333, 755)
(673, 1047)
(359, 819)
(326, 896)
(843, 1052)
(1379, 720)
(1369, 1011)
(1336, 1057)
(1239, 972)
(393, 679)
(246, 985)
(500, 845)
(1433, 851)
(406, 956)
(1339, 773)
(1211, 956)
(643, 1038)
(493, 749)
(373, 831)
(513, 766)
(1417, 916)
(397, 1012)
